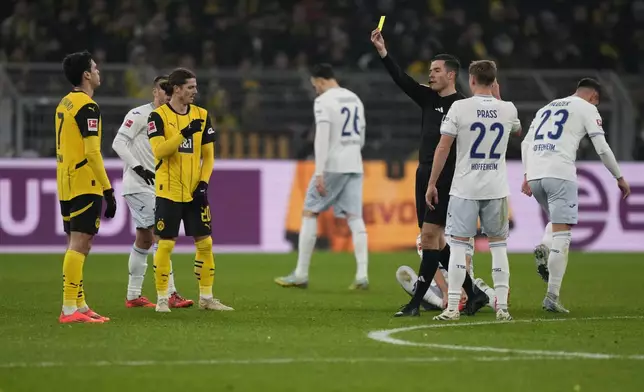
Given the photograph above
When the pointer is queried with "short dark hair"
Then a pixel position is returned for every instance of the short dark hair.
(161, 81)
(178, 77)
(484, 71)
(75, 64)
(451, 62)
(324, 71)
(591, 84)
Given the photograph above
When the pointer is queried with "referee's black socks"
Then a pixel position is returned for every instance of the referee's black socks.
(468, 285)
(428, 268)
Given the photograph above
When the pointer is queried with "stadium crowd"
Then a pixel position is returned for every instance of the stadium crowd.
(292, 34)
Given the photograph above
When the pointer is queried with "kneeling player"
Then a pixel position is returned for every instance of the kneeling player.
(436, 298)
(132, 145)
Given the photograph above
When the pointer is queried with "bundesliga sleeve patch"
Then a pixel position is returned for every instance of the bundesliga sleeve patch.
(92, 125)
(599, 122)
(210, 131)
(128, 123)
(152, 127)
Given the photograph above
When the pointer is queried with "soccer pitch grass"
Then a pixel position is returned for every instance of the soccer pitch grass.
(317, 339)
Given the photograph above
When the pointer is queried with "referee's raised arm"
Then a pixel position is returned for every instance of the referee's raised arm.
(416, 91)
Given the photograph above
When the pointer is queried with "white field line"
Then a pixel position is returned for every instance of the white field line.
(272, 361)
(385, 337)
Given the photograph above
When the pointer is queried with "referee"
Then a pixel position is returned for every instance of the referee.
(435, 101)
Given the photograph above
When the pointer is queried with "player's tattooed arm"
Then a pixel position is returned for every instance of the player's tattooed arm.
(88, 119)
(161, 147)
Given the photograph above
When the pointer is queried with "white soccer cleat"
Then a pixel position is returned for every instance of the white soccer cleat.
(448, 315)
(213, 304)
(503, 315)
(163, 305)
(553, 305)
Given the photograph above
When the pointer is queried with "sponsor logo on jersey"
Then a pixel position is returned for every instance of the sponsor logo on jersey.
(128, 123)
(92, 125)
(152, 127)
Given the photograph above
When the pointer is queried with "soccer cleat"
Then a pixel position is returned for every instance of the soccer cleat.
(408, 311)
(77, 317)
(92, 314)
(141, 302)
(292, 281)
(475, 304)
(553, 305)
(212, 304)
(541, 254)
(163, 305)
(503, 315)
(362, 284)
(177, 301)
(448, 315)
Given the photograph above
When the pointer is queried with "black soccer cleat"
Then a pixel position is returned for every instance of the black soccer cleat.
(475, 304)
(408, 310)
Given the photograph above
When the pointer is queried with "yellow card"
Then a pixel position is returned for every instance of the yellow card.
(381, 23)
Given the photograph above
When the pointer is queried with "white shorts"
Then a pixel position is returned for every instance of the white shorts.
(558, 198)
(343, 192)
(142, 206)
(463, 214)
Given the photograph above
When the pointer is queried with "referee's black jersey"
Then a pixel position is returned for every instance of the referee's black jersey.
(434, 107)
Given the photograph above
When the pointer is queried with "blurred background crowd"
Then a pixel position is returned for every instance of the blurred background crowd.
(252, 57)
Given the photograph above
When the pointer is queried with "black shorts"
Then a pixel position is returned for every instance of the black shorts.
(439, 215)
(82, 214)
(169, 214)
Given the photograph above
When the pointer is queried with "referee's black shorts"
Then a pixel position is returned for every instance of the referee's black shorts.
(439, 215)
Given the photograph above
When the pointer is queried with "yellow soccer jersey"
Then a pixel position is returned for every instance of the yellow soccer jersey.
(178, 161)
(79, 165)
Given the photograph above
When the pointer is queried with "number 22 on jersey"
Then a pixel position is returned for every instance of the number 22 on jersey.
(480, 127)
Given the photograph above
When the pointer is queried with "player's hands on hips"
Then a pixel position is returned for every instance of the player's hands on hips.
(192, 128)
(431, 197)
(200, 195)
(624, 187)
(110, 211)
(319, 185)
(379, 42)
(145, 174)
(525, 188)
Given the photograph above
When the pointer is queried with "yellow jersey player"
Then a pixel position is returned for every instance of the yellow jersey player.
(182, 139)
(82, 180)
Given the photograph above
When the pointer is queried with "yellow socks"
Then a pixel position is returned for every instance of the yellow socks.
(205, 267)
(162, 267)
(72, 281)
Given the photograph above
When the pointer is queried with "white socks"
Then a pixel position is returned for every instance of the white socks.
(500, 273)
(137, 264)
(359, 234)
(456, 274)
(305, 245)
(558, 260)
(547, 236)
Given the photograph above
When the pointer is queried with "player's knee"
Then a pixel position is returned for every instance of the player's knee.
(165, 245)
(309, 214)
(204, 244)
(561, 241)
(356, 224)
(144, 238)
(80, 242)
(497, 239)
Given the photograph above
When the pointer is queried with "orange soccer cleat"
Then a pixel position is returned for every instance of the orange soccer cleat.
(177, 301)
(95, 316)
(77, 317)
(141, 302)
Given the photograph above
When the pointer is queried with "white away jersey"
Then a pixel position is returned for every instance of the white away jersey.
(344, 111)
(554, 136)
(135, 127)
(481, 125)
